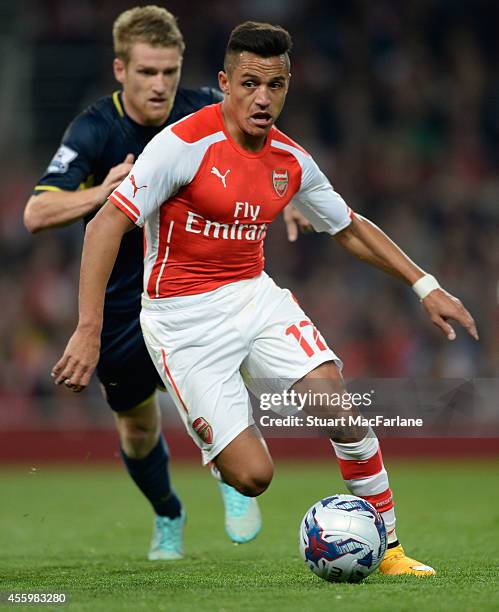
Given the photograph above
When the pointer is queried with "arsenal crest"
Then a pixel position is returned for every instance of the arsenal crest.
(203, 430)
(280, 181)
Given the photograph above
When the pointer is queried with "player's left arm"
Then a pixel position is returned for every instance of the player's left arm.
(369, 243)
(328, 212)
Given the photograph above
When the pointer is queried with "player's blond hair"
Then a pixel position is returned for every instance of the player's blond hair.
(147, 24)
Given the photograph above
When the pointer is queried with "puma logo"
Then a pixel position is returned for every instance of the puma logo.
(216, 172)
(134, 185)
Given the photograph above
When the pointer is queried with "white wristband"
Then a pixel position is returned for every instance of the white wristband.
(425, 285)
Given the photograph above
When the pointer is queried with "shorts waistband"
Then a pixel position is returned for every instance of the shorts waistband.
(209, 297)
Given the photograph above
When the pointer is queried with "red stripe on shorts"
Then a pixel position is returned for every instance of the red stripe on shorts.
(173, 382)
(350, 469)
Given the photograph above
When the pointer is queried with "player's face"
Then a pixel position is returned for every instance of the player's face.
(150, 80)
(255, 90)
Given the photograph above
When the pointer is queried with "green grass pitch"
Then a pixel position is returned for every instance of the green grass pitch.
(86, 532)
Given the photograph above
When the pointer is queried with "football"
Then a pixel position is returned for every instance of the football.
(342, 538)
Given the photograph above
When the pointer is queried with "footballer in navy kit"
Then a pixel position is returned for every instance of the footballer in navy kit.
(98, 140)
(96, 154)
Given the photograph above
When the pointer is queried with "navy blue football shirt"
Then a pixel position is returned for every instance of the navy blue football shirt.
(98, 139)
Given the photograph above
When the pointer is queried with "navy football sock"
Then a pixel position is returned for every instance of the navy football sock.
(153, 479)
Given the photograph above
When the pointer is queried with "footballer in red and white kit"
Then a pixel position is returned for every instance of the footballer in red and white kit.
(205, 189)
(210, 315)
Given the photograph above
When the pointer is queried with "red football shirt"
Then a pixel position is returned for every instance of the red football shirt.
(206, 203)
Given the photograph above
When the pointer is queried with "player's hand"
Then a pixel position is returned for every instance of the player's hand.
(75, 368)
(295, 222)
(442, 306)
(116, 175)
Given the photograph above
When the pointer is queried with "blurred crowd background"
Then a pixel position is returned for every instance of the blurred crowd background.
(397, 101)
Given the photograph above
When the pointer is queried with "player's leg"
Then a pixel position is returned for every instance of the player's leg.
(129, 381)
(195, 374)
(290, 353)
(247, 480)
(139, 428)
(245, 463)
(243, 520)
(356, 447)
(145, 454)
(361, 464)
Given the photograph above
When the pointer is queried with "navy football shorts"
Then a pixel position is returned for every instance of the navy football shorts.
(125, 369)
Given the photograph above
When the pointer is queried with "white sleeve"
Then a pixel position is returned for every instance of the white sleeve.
(165, 165)
(326, 210)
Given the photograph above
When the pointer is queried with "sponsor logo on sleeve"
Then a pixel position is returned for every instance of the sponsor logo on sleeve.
(60, 163)
(134, 185)
(280, 180)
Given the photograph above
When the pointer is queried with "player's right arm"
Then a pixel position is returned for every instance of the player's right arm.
(162, 168)
(100, 249)
(58, 198)
(58, 208)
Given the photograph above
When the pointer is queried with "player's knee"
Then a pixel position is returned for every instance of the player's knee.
(138, 436)
(137, 439)
(254, 482)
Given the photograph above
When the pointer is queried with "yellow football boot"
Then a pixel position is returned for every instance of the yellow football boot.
(395, 562)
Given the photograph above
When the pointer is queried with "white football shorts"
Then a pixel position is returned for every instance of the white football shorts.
(210, 348)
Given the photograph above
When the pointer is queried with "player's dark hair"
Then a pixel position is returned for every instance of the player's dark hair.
(263, 39)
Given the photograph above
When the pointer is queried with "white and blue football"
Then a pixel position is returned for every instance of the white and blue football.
(342, 538)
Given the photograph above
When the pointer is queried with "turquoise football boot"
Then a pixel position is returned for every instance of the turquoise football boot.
(167, 539)
(243, 520)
